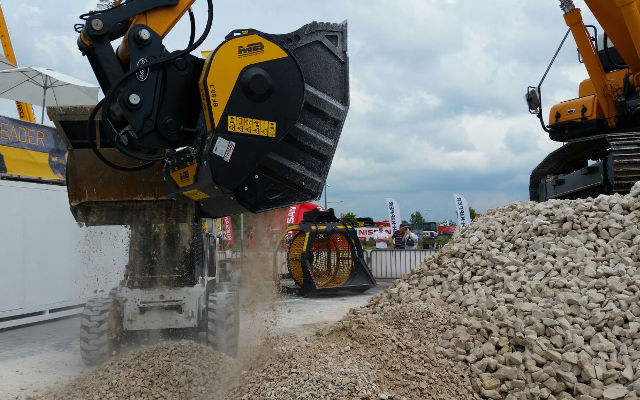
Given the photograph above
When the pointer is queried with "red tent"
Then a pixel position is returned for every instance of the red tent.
(449, 230)
(296, 213)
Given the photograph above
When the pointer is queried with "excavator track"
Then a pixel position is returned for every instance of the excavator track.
(625, 148)
(566, 172)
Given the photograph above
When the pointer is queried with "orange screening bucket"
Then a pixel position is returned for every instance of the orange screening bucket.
(325, 255)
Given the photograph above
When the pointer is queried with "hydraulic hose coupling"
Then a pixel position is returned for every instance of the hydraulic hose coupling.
(567, 6)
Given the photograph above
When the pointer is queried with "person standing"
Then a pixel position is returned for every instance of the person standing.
(398, 238)
(410, 239)
(380, 237)
(251, 236)
(221, 240)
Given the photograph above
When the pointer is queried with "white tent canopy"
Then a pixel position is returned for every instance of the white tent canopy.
(5, 64)
(37, 85)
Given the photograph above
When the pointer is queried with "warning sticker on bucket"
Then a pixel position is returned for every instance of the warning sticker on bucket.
(251, 126)
(224, 148)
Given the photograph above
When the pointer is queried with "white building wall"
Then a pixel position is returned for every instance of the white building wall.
(47, 261)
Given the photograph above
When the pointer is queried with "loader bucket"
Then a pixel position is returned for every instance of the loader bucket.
(100, 195)
(325, 256)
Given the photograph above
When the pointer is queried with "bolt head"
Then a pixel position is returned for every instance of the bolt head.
(134, 99)
(171, 124)
(97, 24)
(180, 64)
(144, 34)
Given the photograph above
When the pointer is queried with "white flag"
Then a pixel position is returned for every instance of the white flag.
(394, 214)
(462, 209)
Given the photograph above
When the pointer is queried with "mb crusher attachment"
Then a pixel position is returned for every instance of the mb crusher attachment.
(325, 256)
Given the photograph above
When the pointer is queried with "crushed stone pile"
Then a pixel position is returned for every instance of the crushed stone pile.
(389, 355)
(548, 297)
(169, 370)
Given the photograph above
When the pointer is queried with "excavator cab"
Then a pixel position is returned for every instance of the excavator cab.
(584, 116)
(600, 127)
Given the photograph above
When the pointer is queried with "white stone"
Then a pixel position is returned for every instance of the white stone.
(614, 392)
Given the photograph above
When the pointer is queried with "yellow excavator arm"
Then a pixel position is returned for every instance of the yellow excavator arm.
(161, 20)
(621, 20)
(605, 93)
(25, 111)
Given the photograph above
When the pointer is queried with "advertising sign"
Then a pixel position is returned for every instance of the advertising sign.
(227, 230)
(29, 150)
(462, 209)
(394, 214)
(225, 227)
(366, 233)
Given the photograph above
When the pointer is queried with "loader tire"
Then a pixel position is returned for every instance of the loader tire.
(100, 329)
(223, 325)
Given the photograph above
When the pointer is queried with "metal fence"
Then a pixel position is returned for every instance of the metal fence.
(393, 264)
(384, 264)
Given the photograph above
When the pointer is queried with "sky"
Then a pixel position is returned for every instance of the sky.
(437, 89)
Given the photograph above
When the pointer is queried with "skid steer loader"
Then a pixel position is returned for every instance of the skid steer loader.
(177, 138)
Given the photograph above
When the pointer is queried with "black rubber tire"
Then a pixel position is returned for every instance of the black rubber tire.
(223, 319)
(100, 329)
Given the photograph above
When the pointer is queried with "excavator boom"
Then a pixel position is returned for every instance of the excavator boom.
(621, 22)
(25, 111)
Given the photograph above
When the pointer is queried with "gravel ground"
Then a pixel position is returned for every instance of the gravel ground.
(532, 301)
(385, 355)
(169, 370)
(36, 358)
(388, 355)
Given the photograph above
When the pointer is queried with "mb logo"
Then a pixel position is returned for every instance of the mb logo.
(251, 49)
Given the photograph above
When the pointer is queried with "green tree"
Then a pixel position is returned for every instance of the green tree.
(472, 213)
(442, 240)
(349, 218)
(417, 220)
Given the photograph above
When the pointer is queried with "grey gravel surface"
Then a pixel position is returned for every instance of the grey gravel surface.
(532, 301)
